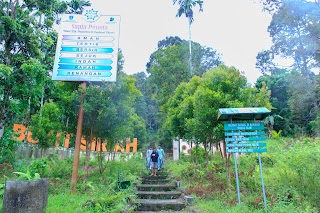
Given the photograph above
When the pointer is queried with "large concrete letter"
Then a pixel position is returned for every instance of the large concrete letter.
(132, 145)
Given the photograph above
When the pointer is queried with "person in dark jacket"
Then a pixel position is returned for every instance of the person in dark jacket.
(154, 161)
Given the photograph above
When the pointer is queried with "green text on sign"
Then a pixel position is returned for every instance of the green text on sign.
(245, 144)
(243, 126)
(234, 150)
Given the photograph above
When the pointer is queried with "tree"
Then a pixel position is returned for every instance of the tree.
(46, 124)
(194, 105)
(278, 84)
(167, 66)
(27, 47)
(109, 113)
(77, 6)
(265, 62)
(185, 7)
(294, 30)
(302, 103)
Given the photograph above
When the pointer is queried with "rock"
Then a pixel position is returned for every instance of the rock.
(26, 196)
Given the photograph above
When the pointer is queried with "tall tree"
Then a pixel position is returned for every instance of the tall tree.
(265, 62)
(278, 83)
(186, 7)
(168, 67)
(194, 104)
(302, 102)
(77, 6)
(295, 33)
(27, 42)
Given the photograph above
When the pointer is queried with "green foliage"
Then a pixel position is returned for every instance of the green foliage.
(292, 37)
(39, 166)
(27, 176)
(1, 189)
(77, 6)
(194, 102)
(111, 203)
(291, 176)
(46, 124)
(198, 153)
(109, 112)
(185, 7)
(8, 148)
(276, 135)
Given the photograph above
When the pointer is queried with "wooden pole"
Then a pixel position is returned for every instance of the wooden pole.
(77, 145)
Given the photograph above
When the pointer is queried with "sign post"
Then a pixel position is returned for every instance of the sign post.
(245, 137)
(87, 51)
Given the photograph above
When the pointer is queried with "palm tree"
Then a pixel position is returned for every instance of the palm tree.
(76, 6)
(186, 7)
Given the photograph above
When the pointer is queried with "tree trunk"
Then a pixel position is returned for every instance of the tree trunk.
(206, 152)
(197, 156)
(190, 51)
(88, 152)
(4, 106)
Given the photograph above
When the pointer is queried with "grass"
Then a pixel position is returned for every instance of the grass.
(291, 179)
(97, 193)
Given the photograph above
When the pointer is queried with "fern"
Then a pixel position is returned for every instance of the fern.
(276, 135)
(27, 176)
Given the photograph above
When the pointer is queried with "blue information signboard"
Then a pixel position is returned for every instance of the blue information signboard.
(87, 47)
(245, 137)
(246, 150)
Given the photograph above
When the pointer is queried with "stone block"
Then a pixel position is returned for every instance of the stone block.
(190, 200)
(26, 196)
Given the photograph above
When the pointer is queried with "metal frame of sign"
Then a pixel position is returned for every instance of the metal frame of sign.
(245, 137)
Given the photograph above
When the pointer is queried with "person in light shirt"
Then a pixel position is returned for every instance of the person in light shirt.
(161, 157)
(148, 158)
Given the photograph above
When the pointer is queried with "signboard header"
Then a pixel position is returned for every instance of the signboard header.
(250, 113)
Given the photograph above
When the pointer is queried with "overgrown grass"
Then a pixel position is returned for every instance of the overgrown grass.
(98, 192)
(291, 170)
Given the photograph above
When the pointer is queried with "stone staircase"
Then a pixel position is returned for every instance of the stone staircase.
(157, 194)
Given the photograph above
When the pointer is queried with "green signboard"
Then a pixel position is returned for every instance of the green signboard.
(243, 126)
(247, 150)
(255, 133)
(245, 139)
(245, 144)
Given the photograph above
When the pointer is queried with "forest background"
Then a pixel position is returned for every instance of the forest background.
(165, 102)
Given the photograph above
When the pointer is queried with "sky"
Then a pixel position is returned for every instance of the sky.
(237, 29)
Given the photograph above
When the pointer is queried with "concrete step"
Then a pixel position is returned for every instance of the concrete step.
(155, 181)
(156, 187)
(157, 211)
(159, 205)
(158, 194)
(158, 177)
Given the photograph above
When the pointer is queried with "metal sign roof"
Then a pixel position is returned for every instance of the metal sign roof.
(250, 113)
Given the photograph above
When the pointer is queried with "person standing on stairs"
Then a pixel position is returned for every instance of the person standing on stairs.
(161, 157)
(148, 158)
(154, 162)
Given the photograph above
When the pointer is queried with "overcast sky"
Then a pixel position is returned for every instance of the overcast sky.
(237, 29)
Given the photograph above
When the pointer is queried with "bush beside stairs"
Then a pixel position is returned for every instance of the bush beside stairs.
(159, 193)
